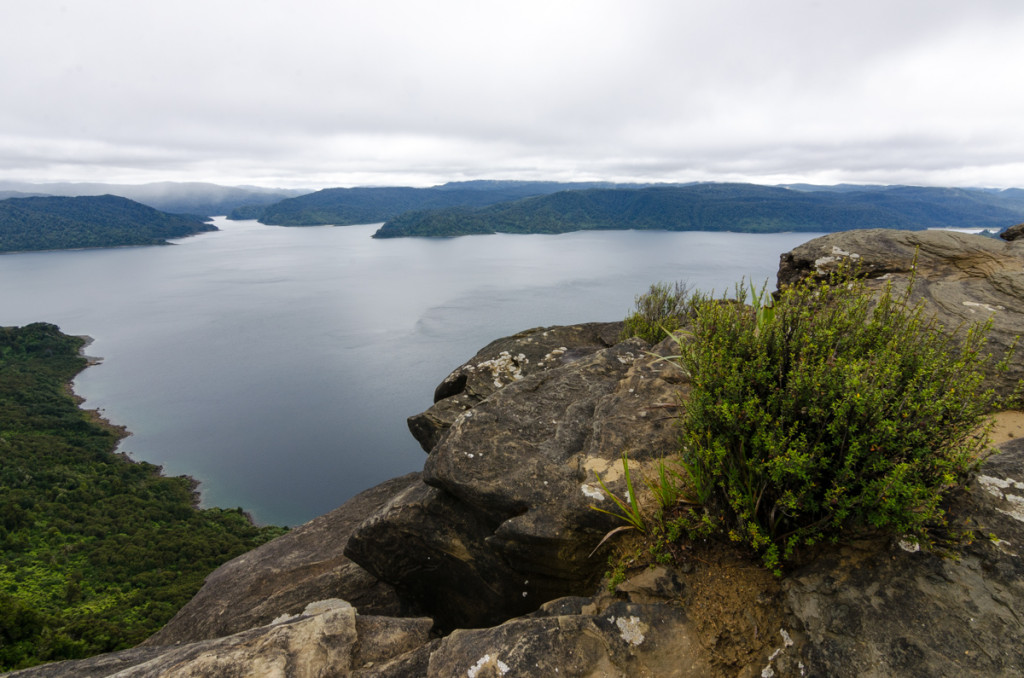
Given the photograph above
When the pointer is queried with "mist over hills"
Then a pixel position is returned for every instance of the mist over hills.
(201, 199)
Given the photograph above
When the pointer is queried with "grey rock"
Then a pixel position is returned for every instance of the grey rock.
(99, 666)
(961, 278)
(503, 361)
(877, 608)
(625, 639)
(435, 553)
(1013, 232)
(507, 522)
(285, 574)
(328, 639)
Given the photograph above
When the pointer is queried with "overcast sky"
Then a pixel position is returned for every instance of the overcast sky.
(310, 93)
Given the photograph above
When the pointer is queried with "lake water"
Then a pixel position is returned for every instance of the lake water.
(278, 365)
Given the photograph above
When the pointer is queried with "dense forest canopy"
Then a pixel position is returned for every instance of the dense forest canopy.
(98, 551)
(53, 223)
(367, 205)
(722, 207)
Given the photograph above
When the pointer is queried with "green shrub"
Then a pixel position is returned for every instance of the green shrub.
(659, 312)
(838, 408)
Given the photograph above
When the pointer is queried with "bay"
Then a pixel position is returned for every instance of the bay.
(278, 365)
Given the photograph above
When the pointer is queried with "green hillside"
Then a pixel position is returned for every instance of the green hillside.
(721, 207)
(367, 205)
(98, 552)
(52, 223)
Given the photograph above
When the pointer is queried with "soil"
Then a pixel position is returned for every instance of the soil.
(1007, 426)
(735, 605)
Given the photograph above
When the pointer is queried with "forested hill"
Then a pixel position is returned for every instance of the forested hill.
(367, 205)
(98, 552)
(51, 223)
(723, 207)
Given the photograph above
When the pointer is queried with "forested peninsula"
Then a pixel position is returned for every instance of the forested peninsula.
(98, 551)
(722, 207)
(53, 223)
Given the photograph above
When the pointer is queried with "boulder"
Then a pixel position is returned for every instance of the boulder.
(285, 574)
(508, 521)
(962, 279)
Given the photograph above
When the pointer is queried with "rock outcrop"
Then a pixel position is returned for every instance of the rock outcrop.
(504, 519)
(483, 565)
(962, 279)
(282, 576)
(502, 362)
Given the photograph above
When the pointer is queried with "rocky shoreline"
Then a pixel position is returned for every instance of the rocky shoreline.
(484, 563)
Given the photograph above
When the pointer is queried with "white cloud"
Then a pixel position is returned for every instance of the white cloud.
(339, 93)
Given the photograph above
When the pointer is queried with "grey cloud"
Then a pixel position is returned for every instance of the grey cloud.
(410, 92)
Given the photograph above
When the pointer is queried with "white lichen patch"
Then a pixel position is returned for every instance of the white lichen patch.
(988, 307)
(787, 641)
(910, 545)
(631, 630)
(505, 368)
(592, 492)
(1016, 510)
(837, 253)
(555, 353)
(626, 358)
(502, 667)
(996, 487)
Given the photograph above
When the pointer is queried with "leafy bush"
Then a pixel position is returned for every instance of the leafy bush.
(838, 408)
(659, 312)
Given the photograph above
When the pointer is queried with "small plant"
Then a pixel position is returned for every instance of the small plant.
(831, 408)
(629, 510)
(659, 312)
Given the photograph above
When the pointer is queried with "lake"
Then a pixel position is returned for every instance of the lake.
(278, 365)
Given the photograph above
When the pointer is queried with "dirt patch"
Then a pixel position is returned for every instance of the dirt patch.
(1007, 426)
(736, 606)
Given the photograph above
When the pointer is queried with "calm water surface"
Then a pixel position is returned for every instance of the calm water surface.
(278, 365)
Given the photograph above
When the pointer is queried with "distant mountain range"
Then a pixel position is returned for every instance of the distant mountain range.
(722, 207)
(480, 207)
(50, 223)
(367, 205)
(201, 199)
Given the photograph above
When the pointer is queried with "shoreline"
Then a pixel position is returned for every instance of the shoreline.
(94, 415)
(120, 431)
